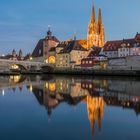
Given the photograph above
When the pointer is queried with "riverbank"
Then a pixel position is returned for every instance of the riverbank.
(79, 72)
(7, 73)
(99, 72)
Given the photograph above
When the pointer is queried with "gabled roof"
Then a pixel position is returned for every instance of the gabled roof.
(116, 44)
(73, 45)
(62, 45)
(95, 52)
(52, 38)
(38, 51)
(38, 47)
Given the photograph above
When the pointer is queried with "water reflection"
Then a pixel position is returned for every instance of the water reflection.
(96, 93)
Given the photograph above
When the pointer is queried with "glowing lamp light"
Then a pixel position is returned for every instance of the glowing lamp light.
(31, 58)
(15, 67)
(31, 88)
(52, 87)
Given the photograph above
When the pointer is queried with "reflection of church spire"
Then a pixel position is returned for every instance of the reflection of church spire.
(95, 108)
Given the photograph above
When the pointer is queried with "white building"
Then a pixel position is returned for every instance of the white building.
(124, 51)
(111, 49)
(135, 50)
(122, 48)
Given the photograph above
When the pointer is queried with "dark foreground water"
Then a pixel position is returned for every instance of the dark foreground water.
(69, 108)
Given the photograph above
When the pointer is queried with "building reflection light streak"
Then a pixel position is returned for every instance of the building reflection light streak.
(15, 79)
(3, 92)
(31, 88)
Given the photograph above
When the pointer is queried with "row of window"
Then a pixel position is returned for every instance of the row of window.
(111, 53)
(124, 49)
(87, 62)
(87, 86)
(123, 55)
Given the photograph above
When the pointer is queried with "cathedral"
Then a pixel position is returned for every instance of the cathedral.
(96, 33)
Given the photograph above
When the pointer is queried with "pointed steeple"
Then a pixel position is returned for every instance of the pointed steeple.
(93, 17)
(100, 19)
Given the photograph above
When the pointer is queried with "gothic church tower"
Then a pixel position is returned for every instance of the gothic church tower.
(96, 34)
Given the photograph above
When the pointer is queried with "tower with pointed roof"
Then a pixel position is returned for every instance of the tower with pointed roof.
(96, 34)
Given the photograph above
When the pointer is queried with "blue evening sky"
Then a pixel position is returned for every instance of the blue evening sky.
(24, 22)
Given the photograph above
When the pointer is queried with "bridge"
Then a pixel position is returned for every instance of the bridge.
(22, 65)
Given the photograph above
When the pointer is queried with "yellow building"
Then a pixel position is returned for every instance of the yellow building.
(71, 55)
(96, 34)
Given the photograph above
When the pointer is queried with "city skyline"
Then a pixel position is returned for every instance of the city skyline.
(22, 24)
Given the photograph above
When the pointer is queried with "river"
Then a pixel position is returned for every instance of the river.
(51, 107)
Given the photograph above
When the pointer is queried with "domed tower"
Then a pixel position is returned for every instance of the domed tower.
(49, 33)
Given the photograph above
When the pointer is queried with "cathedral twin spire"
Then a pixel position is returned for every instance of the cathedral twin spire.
(96, 36)
(93, 16)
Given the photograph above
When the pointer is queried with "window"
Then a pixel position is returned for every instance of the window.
(83, 62)
(90, 86)
(52, 60)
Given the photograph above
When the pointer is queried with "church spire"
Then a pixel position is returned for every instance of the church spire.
(100, 19)
(93, 17)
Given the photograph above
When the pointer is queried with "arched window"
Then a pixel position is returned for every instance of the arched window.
(52, 59)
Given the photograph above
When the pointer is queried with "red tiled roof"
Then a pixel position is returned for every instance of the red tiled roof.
(115, 45)
(73, 45)
(112, 45)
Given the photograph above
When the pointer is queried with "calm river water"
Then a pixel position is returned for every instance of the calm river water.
(69, 108)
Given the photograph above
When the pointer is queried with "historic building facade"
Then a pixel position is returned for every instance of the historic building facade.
(71, 55)
(45, 49)
(96, 33)
(122, 48)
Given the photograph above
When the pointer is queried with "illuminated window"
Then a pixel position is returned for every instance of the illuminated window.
(52, 59)
(52, 87)
(90, 86)
(15, 66)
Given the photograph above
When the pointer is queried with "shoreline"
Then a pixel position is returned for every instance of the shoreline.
(78, 72)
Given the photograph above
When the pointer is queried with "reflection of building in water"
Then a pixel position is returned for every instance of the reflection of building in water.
(15, 79)
(124, 93)
(95, 108)
(73, 90)
(95, 87)
(59, 90)
(123, 100)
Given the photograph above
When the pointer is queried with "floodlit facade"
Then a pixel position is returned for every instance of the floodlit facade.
(96, 33)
